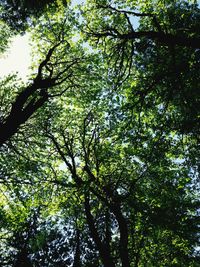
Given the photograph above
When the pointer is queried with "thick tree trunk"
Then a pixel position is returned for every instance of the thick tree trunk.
(29, 100)
(104, 253)
(23, 260)
(77, 256)
(123, 228)
(20, 112)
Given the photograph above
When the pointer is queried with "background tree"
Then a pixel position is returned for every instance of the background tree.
(20, 15)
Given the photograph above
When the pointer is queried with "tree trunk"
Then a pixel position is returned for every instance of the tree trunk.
(104, 253)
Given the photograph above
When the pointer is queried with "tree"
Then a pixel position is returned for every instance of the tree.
(101, 169)
(29, 99)
(19, 15)
(158, 37)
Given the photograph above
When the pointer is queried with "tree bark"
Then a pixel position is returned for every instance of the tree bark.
(104, 253)
(164, 38)
(77, 260)
(21, 111)
(22, 259)
(123, 228)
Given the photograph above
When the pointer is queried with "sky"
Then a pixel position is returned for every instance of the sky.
(17, 58)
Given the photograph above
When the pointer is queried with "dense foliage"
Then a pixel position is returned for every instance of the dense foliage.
(99, 150)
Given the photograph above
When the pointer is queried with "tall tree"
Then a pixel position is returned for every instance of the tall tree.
(100, 166)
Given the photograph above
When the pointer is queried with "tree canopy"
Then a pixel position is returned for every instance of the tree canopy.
(99, 149)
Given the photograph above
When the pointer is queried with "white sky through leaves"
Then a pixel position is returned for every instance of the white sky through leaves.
(17, 58)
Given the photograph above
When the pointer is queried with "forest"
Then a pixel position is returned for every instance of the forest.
(99, 148)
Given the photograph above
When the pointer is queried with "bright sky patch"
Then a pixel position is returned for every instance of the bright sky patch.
(17, 58)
